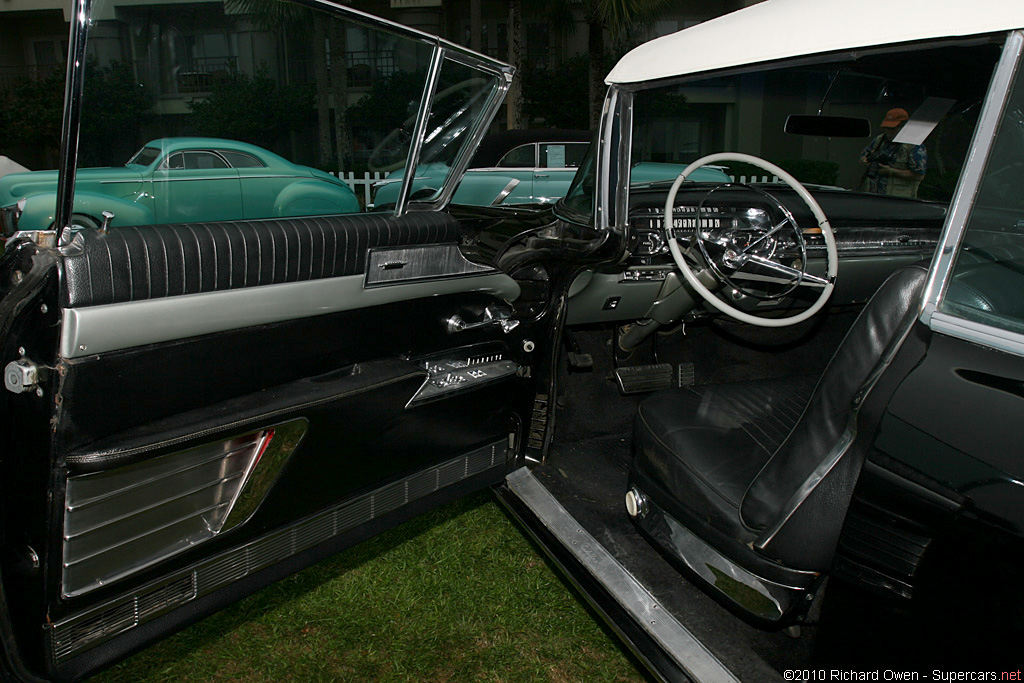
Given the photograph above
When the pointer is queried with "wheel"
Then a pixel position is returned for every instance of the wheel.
(80, 220)
(734, 251)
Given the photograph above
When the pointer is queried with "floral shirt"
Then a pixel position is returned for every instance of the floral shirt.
(901, 156)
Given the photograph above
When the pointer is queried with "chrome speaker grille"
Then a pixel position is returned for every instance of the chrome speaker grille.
(79, 632)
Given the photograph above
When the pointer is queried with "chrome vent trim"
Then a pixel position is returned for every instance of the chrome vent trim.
(121, 520)
(71, 636)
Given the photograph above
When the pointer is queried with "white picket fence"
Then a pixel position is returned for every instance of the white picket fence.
(754, 179)
(365, 182)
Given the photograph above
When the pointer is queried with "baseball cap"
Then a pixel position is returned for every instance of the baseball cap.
(894, 117)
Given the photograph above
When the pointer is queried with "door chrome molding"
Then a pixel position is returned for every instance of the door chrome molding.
(419, 131)
(677, 641)
(113, 327)
(978, 333)
(73, 84)
(79, 632)
(970, 178)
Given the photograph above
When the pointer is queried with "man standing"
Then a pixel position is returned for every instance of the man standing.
(893, 168)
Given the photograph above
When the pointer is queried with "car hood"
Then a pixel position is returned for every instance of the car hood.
(14, 186)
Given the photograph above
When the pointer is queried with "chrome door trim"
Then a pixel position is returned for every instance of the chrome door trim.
(603, 204)
(113, 327)
(73, 84)
(979, 333)
(970, 179)
(419, 130)
(682, 646)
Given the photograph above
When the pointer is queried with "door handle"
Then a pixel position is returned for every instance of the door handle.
(493, 315)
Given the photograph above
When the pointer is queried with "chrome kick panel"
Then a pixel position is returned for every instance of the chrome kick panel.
(394, 265)
(121, 520)
(461, 369)
(71, 636)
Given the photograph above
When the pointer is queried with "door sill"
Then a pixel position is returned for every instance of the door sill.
(664, 644)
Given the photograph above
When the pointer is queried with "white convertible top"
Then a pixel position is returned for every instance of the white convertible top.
(779, 29)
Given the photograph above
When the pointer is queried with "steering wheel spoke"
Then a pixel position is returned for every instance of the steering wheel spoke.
(746, 254)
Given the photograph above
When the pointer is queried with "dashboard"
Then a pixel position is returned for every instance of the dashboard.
(875, 235)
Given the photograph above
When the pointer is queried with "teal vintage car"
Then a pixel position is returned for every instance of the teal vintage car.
(523, 167)
(185, 179)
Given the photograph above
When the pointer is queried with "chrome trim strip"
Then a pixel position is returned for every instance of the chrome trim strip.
(505, 191)
(602, 216)
(476, 134)
(113, 327)
(970, 178)
(979, 333)
(73, 84)
(625, 157)
(419, 131)
(681, 645)
(79, 632)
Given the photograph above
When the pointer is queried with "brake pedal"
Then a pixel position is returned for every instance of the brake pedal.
(639, 379)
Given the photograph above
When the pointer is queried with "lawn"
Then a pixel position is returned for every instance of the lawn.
(455, 595)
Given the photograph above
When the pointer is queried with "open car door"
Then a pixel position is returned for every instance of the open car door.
(194, 410)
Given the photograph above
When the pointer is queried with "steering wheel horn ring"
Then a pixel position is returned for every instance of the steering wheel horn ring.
(734, 256)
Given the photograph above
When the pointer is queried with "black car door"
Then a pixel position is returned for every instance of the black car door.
(193, 410)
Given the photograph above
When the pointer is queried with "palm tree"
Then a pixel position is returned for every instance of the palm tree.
(618, 17)
(515, 58)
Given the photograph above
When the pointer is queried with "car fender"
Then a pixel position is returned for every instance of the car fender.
(40, 210)
(315, 197)
(488, 188)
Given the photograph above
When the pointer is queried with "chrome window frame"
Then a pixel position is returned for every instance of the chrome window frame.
(963, 201)
(504, 74)
(78, 34)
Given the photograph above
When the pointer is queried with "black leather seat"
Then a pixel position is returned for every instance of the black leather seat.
(747, 484)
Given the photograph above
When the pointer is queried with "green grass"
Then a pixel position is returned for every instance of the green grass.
(455, 595)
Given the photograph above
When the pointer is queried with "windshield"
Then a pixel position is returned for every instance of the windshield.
(896, 123)
(144, 157)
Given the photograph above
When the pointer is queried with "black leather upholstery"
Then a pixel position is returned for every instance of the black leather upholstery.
(705, 444)
(134, 263)
(733, 457)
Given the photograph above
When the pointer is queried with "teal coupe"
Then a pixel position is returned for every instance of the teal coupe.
(173, 180)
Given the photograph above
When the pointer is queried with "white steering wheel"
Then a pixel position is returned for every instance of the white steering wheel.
(754, 246)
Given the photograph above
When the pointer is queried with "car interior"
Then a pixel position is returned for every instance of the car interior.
(727, 473)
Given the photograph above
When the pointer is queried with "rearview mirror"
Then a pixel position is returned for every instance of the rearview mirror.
(827, 126)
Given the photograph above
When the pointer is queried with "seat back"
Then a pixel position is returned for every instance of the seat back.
(812, 467)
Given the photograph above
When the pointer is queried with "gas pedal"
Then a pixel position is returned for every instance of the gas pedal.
(639, 379)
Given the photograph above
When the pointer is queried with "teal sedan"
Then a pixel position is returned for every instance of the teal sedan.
(523, 167)
(177, 180)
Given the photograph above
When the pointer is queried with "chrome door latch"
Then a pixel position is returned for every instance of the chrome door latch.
(20, 376)
(492, 316)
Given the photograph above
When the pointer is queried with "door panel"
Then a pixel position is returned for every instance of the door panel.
(207, 431)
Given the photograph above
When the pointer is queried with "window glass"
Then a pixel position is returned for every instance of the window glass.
(883, 123)
(988, 276)
(520, 157)
(562, 155)
(297, 90)
(197, 161)
(240, 159)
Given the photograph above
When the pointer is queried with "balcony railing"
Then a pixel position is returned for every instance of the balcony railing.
(202, 73)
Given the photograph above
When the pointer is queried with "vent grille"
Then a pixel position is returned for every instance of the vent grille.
(82, 631)
(881, 549)
(538, 423)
